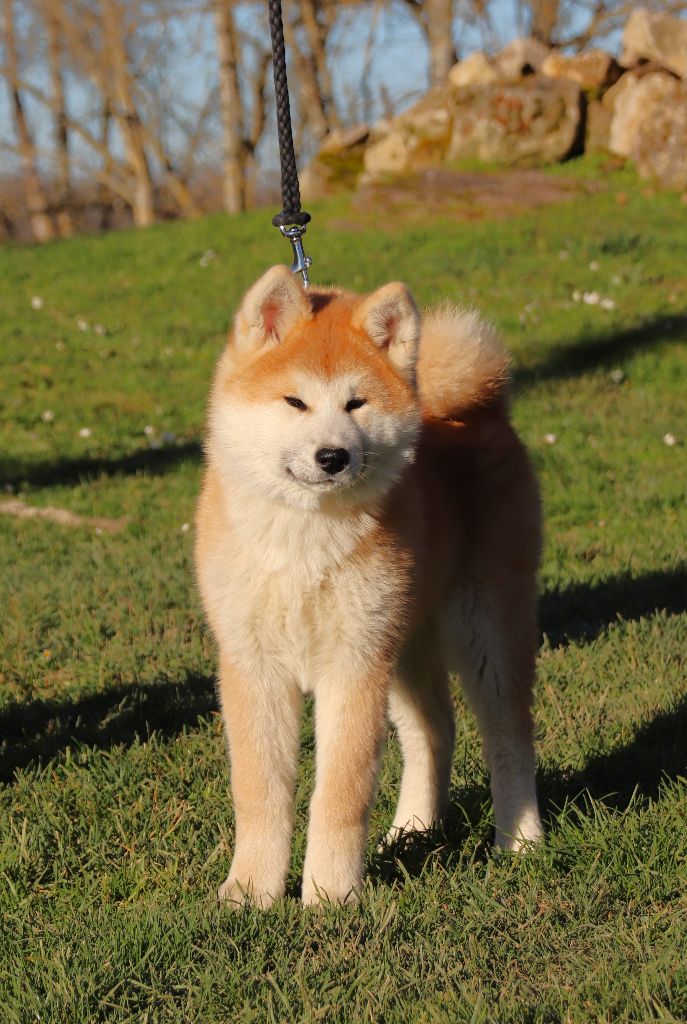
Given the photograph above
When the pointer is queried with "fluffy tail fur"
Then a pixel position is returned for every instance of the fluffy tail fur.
(462, 366)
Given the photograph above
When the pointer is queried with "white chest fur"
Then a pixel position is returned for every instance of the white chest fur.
(292, 597)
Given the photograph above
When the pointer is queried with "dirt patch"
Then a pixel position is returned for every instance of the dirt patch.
(466, 195)
(62, 516)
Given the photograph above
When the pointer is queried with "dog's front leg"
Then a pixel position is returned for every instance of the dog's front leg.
(262, 722)
(350, 725)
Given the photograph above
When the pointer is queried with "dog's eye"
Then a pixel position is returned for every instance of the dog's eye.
(355, 403)
(295, 402)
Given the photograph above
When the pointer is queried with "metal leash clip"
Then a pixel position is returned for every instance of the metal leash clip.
(301, 262)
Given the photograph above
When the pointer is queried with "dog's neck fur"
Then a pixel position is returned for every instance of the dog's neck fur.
(302, 543)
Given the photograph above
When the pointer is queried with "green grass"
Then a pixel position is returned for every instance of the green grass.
(115, 820)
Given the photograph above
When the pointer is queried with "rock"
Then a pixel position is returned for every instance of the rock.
(391, 155)
(476, 69)
(658, 37)
(594, 70)
(427, 124)
(633, 105)
(597, 132)
(537, 120)
(521, 57)
(338, 164)
(346, 139)
(661, 148)
(417, 138)
(629, 80)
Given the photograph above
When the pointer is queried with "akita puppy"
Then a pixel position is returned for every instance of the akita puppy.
(369, 522)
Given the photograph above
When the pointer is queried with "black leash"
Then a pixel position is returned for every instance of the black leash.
(292, 220)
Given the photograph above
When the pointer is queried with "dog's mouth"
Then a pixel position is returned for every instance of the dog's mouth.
(327, 483)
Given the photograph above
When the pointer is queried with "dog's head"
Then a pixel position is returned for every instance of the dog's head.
(315, 397)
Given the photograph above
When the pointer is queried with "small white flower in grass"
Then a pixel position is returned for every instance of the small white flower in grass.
(576, 296)
(47, 415)
(617, 376)
(100, 329)
(550, 438)
(670, 440)
(82, 324)
(149, 430)
(37, 302)
(607, 304)
(60, 346)
(591, 298)
(185, 527)
(85, 432)
(207, 258)
(594, 265)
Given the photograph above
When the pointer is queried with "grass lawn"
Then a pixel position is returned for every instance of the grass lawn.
(115, 820)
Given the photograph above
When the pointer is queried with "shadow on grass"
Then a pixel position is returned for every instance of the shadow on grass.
(40, 730)
(580, 611)
(67, 472)
(657, 752)
(603, 350)
(34, 733)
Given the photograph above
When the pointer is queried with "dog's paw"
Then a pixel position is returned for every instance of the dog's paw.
(334, 892)
(528, 832)
(235, 894)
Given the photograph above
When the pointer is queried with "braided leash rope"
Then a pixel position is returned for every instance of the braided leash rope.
(292, 220)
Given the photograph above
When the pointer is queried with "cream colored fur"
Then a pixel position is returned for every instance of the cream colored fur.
(462, 363)
(357, 588)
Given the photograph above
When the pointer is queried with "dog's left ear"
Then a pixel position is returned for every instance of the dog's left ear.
(391, 320)
(269, 310)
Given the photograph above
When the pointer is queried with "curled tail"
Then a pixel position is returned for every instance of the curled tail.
(462, 366)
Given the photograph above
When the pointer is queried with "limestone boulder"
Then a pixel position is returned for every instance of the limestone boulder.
(661, 150)
(477, 69)
(649, 126)
(651, 35)
(520, 58)
(418, 138)
(388, 156)
(636, 101)
(594, 70)
(338, 164)
(535, 121)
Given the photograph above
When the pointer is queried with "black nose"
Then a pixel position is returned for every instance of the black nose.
(332, 460)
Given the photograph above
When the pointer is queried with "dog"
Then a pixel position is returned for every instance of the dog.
(368, 523)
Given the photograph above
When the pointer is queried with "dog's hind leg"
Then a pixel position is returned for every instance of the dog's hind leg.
(491, 635)
(421, 710)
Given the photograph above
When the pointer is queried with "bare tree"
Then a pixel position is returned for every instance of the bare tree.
(37, 205)
(306, 28)
(544, 20)
(243, 107)
(119, 81)
(435, 18)
(578, 23)
(62, 200)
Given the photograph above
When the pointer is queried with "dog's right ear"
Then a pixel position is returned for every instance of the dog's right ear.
(269, 310)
